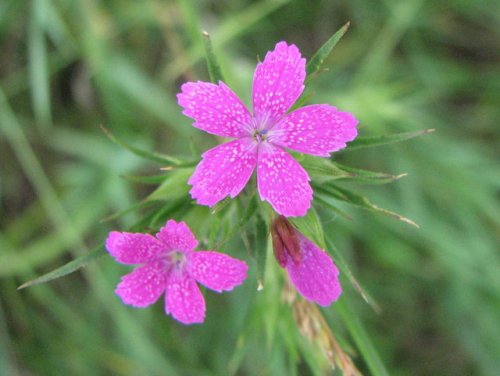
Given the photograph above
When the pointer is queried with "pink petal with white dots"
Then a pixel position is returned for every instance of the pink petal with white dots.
(224, 170)
(177, 236)
(217, 271)
(216, 109)
(130, 248)
(283, 182)
(143, 286)
(316, 276)
(184, 300)
(317, 129)
(278, 81)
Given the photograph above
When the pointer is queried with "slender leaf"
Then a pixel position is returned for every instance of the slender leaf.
(245, 217)
(136, 207)
(38, 67)
(68, 268)
(152, 179)
(361, 338)
(221, 205)
(322, 168)
(344, 267)
(326, 201)
(213, 65)
(371, 141)
(324, 51)
(174, 186)
(361, 176)
(310, 226)
(360, 201)
(156, 157)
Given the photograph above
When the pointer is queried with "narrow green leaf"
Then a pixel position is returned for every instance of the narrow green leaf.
(221, 205)
(260, 248)
(213, 65)
(310, 226)
(135, 207)
(324, 51)
(326, 201)
(322, 168)
(306, 95)
(361, 338)
(68, 268)
(175, 185)
(156, 157)
(371, 141)
(245, 217)
(344, 268)
(360, 176)
(359, 201)
(38, 67)
(158, 218)
(152, 179)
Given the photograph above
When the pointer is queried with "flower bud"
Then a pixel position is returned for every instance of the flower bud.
(285, 241)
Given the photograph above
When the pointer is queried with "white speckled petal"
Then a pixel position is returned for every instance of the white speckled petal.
(217, 271)
(278, 81)
(283, 182)
(317, 129)
(216, 109)
(177, 236)
(224, 170)
(133, 248)
(316, 276)
(143, 286)
(184, 299)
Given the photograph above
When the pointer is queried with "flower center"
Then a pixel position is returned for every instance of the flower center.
(176, 260)
(260, 135)
(260, 126)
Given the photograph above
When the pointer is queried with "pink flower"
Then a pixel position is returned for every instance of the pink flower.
(171, 266)
(262, 136)
(311, 270)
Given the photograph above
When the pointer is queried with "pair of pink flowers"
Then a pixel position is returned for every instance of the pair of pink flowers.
(171, 265)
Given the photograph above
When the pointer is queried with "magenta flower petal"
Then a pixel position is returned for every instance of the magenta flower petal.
(130, 248)
(224, 170)
(215, 108)
(317, 129)
(278, 81)
(184, 299)
(217, 271)
(283, 182)
(143, 286)
(177, 236)
(316, 276)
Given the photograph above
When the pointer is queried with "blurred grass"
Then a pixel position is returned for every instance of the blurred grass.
(68, 66)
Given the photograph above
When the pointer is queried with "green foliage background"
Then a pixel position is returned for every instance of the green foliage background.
(68, 66)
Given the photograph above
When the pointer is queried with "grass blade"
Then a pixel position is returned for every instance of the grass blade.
(152, 156)
(66, 269)
(212, 64)
(38, 67)
(361, 338)
(371, 141)
(360, 201)
(324, 51)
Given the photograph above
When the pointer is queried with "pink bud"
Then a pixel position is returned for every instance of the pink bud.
(285, 241)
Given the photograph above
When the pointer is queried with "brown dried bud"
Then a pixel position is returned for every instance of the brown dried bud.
(285, 241)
